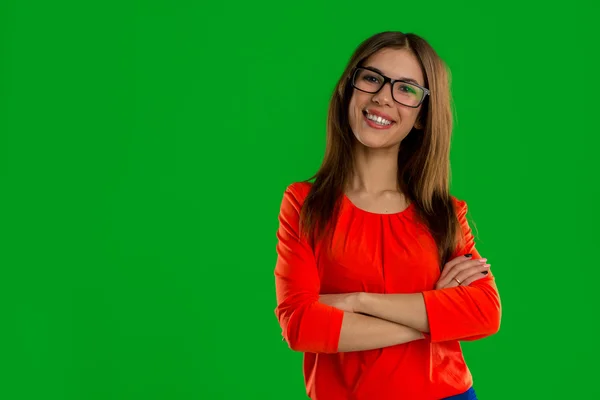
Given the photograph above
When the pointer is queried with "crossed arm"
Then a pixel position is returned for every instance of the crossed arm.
(478, 304)
(363, 321)
(457, 313)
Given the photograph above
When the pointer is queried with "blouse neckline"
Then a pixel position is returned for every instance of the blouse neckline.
(347, 200)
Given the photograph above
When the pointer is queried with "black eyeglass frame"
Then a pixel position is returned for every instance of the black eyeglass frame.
(391, 81)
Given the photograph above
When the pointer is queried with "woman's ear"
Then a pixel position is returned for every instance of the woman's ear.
(419, 120)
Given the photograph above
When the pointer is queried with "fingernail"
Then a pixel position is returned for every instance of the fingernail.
(485, 272)
(487, 266)
(482, 260)
(469, 255)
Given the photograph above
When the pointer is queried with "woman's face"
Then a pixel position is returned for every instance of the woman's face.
(364, 107)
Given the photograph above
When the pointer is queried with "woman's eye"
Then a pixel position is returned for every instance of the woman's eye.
(371, 78)
(407, 89)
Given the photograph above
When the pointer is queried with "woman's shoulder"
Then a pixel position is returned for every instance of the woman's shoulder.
(460, 206)
(296, 192)
(299, 189)
(458, 203)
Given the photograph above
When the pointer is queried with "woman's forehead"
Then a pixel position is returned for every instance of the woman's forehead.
(396, 64)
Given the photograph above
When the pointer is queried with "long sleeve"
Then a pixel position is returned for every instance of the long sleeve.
(307, 325)
(464, 312)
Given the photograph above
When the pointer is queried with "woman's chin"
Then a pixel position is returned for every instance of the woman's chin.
(378, 141)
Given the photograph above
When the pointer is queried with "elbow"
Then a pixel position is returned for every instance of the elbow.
(491, 315)
(296, 342)
(311, 328)
(290, 329)
(293, 341)
(296, 345)
(301, 338)
(489, 327)
(492, 322)
(496, 322)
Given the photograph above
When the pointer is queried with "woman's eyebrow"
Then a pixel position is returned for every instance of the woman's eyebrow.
(399, 79)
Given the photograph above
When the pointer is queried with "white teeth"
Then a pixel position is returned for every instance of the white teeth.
(378, 120)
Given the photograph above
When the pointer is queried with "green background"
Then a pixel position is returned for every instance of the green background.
(144, 151)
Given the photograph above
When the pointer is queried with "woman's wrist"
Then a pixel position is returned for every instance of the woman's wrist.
(363, 304)
(361, 301)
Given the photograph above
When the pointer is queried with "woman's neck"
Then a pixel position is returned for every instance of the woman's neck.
(375, 171)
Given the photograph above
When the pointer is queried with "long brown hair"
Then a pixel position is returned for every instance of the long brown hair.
(423, 158)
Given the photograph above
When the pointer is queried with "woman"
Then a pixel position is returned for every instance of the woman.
(377, 276)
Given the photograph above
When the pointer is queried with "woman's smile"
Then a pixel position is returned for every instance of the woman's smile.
(377, 121)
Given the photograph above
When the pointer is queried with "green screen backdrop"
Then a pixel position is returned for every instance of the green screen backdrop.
(145, 148)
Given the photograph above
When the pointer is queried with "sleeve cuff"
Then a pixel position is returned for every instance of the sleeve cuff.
(432, 315)
(335, 329)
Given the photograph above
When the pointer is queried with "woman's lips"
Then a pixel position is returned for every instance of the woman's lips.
(374, 124)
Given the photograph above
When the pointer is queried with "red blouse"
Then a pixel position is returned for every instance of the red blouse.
(377, 253)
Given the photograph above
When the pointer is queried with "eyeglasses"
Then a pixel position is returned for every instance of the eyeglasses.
(406, 93)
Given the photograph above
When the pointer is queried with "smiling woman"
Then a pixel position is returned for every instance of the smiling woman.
(377, 277)
(372, 89)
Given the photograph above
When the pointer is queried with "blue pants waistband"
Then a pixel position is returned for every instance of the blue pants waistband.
(468, 395)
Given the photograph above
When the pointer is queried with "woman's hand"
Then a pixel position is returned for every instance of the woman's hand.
(344, 301)
(462, 271)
